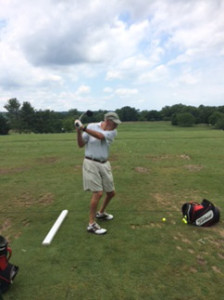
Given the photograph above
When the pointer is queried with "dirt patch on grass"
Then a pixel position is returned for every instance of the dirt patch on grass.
(168, 157)
(165, 201)
(48, 160)
(193, 270)
(186, 241)
(13, 170)
(27, 200)
(6, 225)
(201, 261)
(46, 199)
(114, 157)
(220, 255)
(193, 168)
(216, 270)
(78, 167)
(26, 222)
(159, 157)
(184, 156)
(143, 226)
(141, 170)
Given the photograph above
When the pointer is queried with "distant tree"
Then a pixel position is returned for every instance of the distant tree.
(204, 112)
(68, 124)
(168, 111)
(27, 116)
(99, 115)
(221, 109)
(215, 116)
(185, 119)
(174, 120)
(4, 126)
(74, 113)
(128, 113)
(153, 115)
(47, 122)
(220, 123)
(143, 115)
(13, 108)
(194, 111)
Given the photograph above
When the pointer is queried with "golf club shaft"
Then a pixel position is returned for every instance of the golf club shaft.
(80, 118)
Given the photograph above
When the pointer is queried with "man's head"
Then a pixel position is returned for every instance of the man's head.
(112, 116)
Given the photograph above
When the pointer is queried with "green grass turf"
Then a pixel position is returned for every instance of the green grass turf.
(157, 168)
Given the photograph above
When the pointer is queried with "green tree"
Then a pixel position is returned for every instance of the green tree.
(13, 108)
(68, 124)
(128, 113)
(215, 116)
(27, 116)
(174, 120)
(153, 115)
(47, 122)
(204, 112)
(220, 123)
(185, 119)
(4, 126)
(168, 111)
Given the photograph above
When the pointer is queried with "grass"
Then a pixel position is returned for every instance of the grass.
(157, 168)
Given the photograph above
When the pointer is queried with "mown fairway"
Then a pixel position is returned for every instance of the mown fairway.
(156, 168)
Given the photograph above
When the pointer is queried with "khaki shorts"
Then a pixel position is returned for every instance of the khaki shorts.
(97, 176)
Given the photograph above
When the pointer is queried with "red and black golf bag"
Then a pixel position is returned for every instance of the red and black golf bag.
(204, 214)
(7, 270)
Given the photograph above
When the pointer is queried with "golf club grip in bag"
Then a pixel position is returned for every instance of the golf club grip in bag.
(7, 271)
(203, 215)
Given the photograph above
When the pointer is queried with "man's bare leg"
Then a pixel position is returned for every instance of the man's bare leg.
(93, 205)
(106, 201)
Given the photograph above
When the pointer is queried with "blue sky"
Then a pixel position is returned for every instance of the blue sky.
(99, 54)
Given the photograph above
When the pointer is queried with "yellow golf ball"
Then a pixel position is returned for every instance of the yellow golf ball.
(164, 219)
(184, 220)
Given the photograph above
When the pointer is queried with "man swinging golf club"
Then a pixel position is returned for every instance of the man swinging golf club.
(97, 174)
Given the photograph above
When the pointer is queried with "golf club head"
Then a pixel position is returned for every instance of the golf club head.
(89, 113)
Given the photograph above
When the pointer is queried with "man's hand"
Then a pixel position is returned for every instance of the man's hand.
(78, 124)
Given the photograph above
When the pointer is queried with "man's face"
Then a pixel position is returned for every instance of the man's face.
(111, 125)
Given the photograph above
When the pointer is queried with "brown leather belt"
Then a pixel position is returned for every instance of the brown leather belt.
(100, 161)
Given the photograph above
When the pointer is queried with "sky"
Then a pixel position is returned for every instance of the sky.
(107, 54)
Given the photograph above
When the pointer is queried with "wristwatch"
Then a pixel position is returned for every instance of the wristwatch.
(84, 128)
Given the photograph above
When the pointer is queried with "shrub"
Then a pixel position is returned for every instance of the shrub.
(4, 126)
(185, 119)
(220, 123)
(215, 116)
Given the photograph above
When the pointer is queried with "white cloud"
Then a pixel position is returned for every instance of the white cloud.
(126, 92)
(83, 89)
(158, 73)
(52, 50)
(108, 90)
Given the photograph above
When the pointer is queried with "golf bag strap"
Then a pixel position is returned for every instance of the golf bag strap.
(5, 279)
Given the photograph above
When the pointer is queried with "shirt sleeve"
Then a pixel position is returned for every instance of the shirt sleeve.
(110, 135)
(85, 137)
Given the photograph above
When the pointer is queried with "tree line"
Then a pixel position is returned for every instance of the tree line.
(24, 118)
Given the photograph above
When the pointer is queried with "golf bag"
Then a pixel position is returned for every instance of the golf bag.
(7, 271)
(204, 214)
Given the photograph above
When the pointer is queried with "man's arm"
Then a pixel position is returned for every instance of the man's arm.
(80, 141)
(80, 128)
(96, 134)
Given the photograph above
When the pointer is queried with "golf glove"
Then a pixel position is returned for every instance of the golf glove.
(78, 124)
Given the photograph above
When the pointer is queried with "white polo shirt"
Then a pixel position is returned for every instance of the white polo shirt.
(95, 148)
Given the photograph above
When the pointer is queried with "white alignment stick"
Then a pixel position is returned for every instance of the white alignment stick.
(48, 239)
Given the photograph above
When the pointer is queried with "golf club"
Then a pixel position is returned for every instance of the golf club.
(88, 113)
